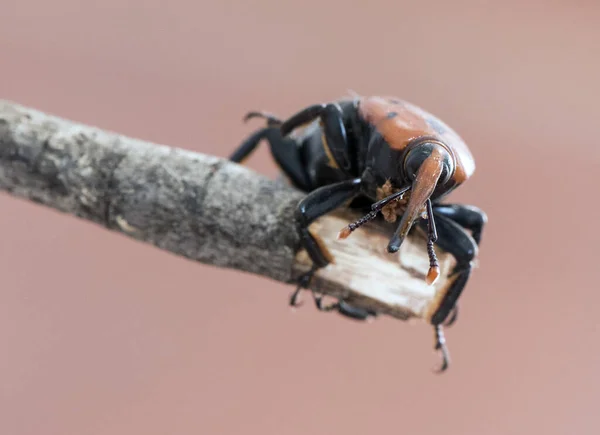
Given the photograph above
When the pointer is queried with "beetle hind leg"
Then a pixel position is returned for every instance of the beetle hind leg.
(285, 152)
(272, 120)
(470, 218)
(334, 138)
(455, 240)
(249, 145)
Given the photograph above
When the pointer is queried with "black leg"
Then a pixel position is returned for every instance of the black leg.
(340, 306)
(303, 117)
(354, 312)
(316, 204)
(440, 344)
(344, 308)
(303, 282)
(272, 120)
(334, 131)
(467, 216)
(285, 153)
(453, 239)
(452, 317)
(250, 144)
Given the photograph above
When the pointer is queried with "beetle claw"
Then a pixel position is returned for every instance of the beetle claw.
(303, 283)
(272, 120)
(294, 299)
(440, 344)
(321, 307)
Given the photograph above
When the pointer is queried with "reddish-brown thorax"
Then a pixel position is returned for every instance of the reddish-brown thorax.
(400, 122)
(395, 121)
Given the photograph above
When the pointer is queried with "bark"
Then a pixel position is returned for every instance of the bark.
(204, 208)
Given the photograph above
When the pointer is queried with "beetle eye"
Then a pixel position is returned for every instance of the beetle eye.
(417, 155)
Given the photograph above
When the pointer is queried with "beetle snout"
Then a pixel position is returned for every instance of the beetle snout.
(429, 166)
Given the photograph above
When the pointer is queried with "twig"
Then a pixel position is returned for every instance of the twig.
(204, 208)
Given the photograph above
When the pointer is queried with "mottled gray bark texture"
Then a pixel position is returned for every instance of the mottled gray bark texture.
(200, 207)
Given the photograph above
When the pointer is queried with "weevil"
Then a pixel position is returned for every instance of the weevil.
(388, 156)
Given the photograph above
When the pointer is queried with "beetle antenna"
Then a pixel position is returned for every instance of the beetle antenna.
(434, 265)
(347, 230)
(375, 209)
(393, 197)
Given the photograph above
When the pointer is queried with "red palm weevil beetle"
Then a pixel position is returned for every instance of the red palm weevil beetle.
(387, 156)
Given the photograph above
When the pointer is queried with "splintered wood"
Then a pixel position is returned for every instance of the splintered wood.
(365, 273)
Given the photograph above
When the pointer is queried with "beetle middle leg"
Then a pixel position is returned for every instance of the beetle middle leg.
(455, 240)
(318, 203)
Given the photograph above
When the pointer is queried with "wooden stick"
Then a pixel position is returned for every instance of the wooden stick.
(206, 209)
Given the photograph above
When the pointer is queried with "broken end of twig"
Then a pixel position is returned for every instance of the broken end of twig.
(367, 276)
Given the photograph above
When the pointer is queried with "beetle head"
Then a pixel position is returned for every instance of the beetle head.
(428, 166)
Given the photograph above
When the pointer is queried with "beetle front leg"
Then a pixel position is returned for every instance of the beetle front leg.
(455, 240)
(469, 217)
(316, 204)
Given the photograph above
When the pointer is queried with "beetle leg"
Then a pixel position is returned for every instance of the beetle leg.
(452, 318)
(353, 312)
(272, 120)
(250, 144)
(284, 151)
(344, 308)
(334, 137)
(301, 118)
(440, 344)
(303, 282)
(467, 216)
(455, 240)
(318, 203)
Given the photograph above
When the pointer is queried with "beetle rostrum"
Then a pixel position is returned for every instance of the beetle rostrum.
(426, 165)
(389, 158)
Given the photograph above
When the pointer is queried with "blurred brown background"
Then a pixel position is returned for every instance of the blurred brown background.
(103, 335)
